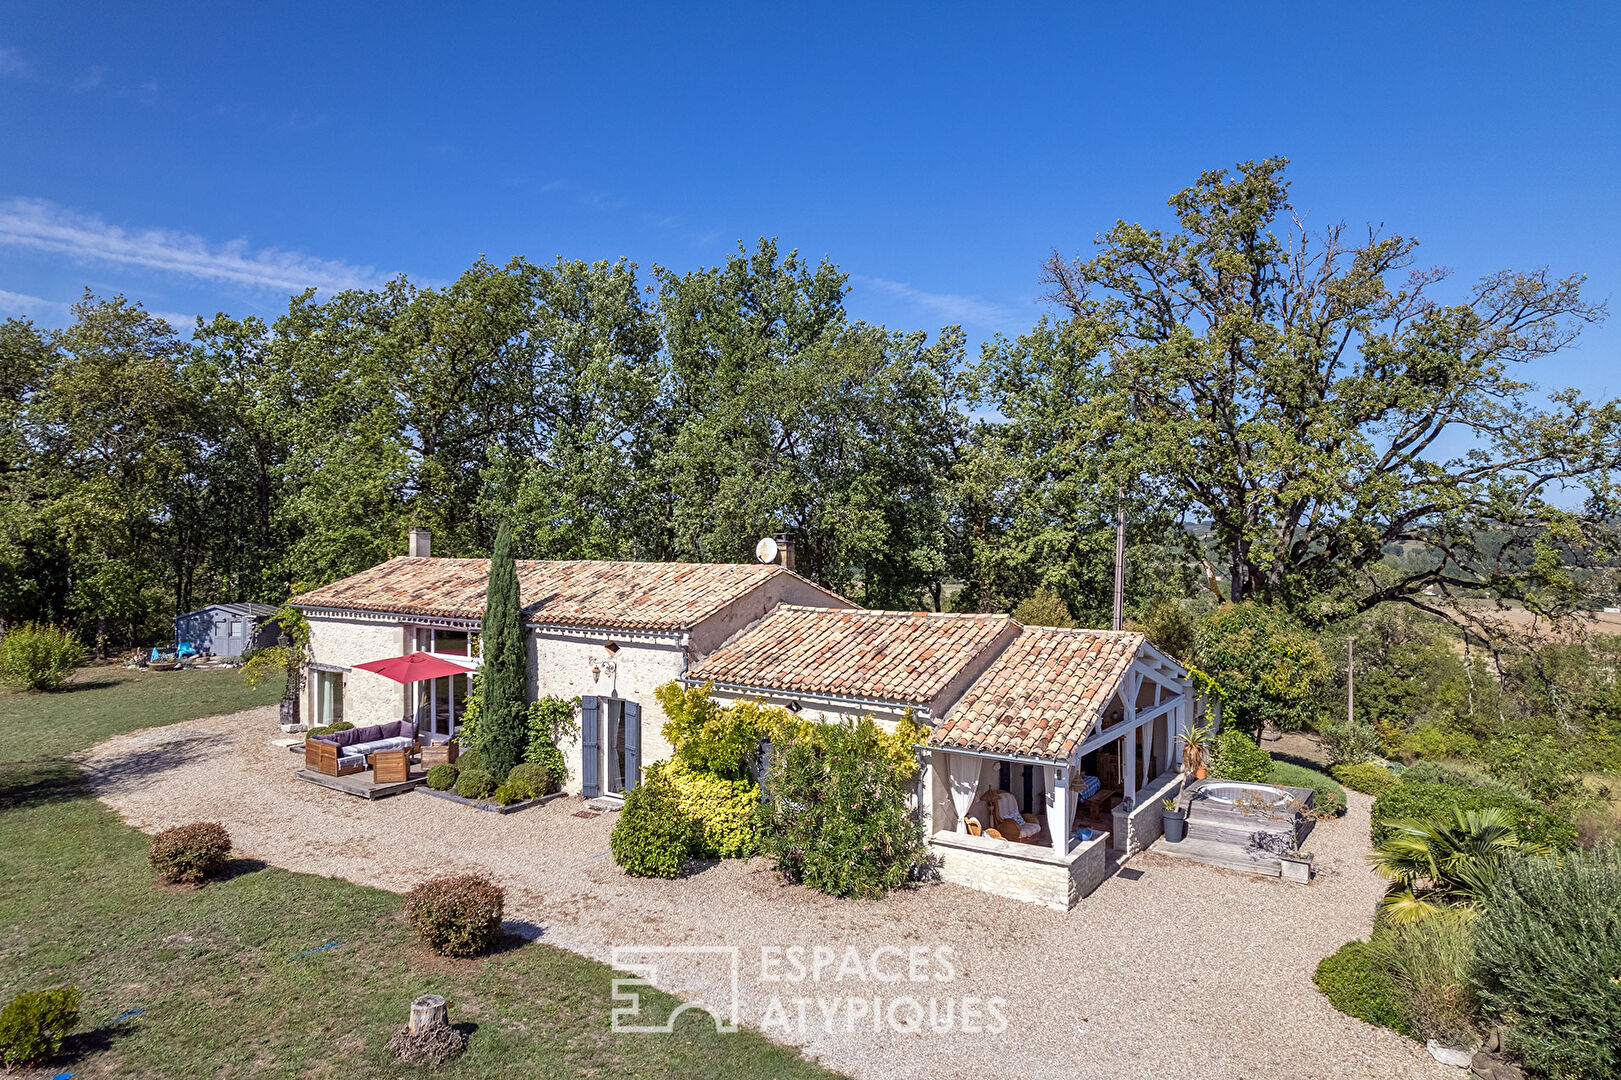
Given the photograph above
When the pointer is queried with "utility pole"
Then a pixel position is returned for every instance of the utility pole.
(1119, 553)
(1350, 680)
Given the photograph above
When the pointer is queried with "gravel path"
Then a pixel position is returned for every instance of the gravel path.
(1168, 969)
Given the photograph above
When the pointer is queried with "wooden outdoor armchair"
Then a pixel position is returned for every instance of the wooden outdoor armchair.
(325, 759)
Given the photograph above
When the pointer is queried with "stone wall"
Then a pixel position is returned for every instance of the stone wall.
(560, 666)
(342, 643)
(1024, 872)
(1135, 829)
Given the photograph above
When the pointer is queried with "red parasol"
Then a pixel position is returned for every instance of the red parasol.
(414, 668)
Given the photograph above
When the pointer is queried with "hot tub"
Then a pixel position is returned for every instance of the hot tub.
(1229, 792)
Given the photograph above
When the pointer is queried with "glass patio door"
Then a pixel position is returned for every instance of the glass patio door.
(440, 704)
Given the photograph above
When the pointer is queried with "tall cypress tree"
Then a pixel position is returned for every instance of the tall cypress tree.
(503, 678)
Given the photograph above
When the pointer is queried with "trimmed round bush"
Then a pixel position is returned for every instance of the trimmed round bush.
(474, 784)
(1239, 758)
(531, 779)
(33, 1025)
(38, 657)
(458, 915)
(1356, 986)
(725, 811)
(1421, 801)
(1328, 796)
(190, 853)
(653, 836)
(442, 777)
(1367, 778)
(328, 729)
(469, 759)
(1546, 958)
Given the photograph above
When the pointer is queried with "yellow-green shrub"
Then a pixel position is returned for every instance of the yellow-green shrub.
(710, 737)
(1367, 778)
(724, 810)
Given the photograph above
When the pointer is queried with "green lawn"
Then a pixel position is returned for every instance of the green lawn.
(219, 971)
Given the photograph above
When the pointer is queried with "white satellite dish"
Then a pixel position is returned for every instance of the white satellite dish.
(766, 550)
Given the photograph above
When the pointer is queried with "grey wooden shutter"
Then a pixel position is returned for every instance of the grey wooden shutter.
(588, 747)
(633, 744)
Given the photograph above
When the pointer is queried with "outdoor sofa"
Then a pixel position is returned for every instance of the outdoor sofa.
(342, 752)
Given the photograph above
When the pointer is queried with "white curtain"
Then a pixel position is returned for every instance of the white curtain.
(964, 773)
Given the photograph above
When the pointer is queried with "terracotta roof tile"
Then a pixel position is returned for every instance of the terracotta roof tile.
(893, 656)
(653, 596)
(1039, 698)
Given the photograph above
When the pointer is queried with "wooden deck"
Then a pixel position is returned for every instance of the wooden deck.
(361, 784)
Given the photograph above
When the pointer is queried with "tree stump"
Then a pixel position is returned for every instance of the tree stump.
(426, 1011)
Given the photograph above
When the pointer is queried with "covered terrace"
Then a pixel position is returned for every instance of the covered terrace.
(1044, 763)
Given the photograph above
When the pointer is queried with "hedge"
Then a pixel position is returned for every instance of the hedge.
(1367, 778)
(1356, 987)
(1329, 796)
(1425, 801)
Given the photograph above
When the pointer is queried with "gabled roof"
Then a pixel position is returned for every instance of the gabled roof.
(905, 657)
(650, 596)
(1039, 698)
(243, 608)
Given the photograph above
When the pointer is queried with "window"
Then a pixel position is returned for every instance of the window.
(450, 642)
(443, 642)
(328, 696)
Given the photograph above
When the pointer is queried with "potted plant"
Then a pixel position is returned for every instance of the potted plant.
(1296, 864)
(1176, 821)
(1194, 741)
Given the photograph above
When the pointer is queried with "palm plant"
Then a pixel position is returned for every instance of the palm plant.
(1440, 864)
(1194, 741)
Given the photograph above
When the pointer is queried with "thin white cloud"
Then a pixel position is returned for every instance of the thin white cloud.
(40, 225)
(949, 306)
(37, 307)
(13, 65)
(30, 307)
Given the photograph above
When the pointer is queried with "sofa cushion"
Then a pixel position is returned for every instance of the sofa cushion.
(376, 745)
(370, 733)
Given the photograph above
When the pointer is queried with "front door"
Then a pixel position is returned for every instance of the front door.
(611, 745)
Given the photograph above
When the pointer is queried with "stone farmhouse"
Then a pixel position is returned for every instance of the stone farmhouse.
(1046, 747)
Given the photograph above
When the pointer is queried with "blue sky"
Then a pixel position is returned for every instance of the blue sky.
(205, 157)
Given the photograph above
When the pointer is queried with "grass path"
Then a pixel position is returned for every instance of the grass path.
(223, 975)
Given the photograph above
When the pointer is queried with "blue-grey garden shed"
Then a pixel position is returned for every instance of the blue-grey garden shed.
(227, 629)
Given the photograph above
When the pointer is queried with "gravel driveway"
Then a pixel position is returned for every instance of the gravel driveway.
(1168, 969)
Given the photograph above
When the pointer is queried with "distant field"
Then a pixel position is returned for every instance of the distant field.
(1516, 617)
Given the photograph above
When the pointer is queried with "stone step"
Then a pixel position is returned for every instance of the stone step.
(1216, 853)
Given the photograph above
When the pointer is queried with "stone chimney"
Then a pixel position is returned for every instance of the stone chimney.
(421, 543)
(785, 551)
